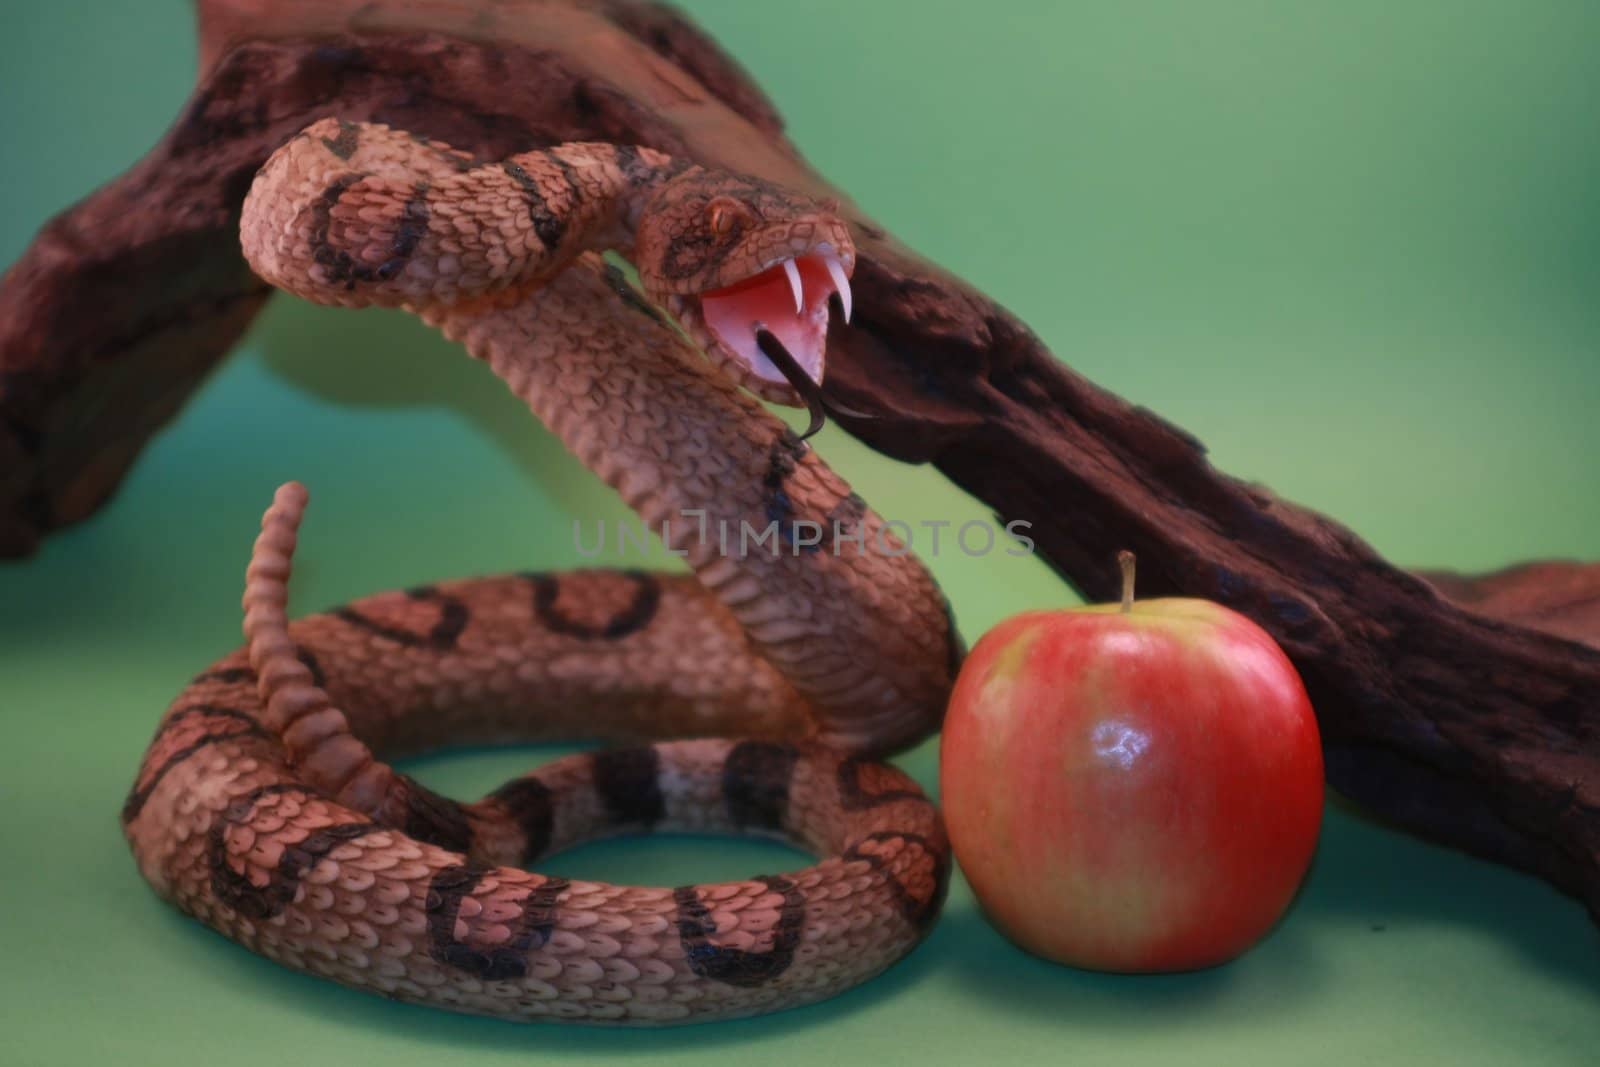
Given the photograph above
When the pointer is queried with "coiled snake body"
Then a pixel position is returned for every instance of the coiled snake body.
(263, 806)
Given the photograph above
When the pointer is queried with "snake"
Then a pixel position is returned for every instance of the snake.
(756, 694)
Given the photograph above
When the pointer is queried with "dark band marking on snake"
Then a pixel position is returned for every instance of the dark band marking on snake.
(235, 888)
(547, 225)
(337, 262)
(631, 297)
(459, 162)
(855, 798)
(344, 143)
(209, 711)
(446, 891)
(847, 514)
(755, 783)
(530, 803)
(631, 619)
(141, 794)
(413, 226)
(492, 963)
(630, 163)
(309, 658)
(629, 785)
(443, 634)
(785, 454)
(435, 819)
(740, 967)
(283, 882)
(920, 913)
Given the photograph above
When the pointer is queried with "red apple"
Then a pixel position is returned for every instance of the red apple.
(1133, 787)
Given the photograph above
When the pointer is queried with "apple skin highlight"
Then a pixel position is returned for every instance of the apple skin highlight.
(1132, 790)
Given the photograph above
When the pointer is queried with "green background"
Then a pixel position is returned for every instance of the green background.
(1353, 246)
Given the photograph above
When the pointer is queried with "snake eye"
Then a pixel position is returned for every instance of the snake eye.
(725, 214)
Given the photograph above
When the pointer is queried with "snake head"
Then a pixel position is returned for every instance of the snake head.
(749, 268)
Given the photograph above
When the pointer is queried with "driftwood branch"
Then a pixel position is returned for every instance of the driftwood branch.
(1465, 709)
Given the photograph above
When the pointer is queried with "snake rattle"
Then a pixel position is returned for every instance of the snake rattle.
(264, 806)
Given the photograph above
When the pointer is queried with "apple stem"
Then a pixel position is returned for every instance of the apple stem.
(1127, 560)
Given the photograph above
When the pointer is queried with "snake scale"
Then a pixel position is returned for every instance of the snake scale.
(265, 806)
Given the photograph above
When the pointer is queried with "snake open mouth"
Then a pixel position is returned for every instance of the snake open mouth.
(789, 301)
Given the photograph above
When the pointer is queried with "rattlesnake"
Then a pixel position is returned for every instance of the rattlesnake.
(260, 807)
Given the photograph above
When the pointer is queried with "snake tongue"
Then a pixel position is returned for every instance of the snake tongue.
(810, 391)
(789, 301)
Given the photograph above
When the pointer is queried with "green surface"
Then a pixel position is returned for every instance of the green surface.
(1352, 246)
